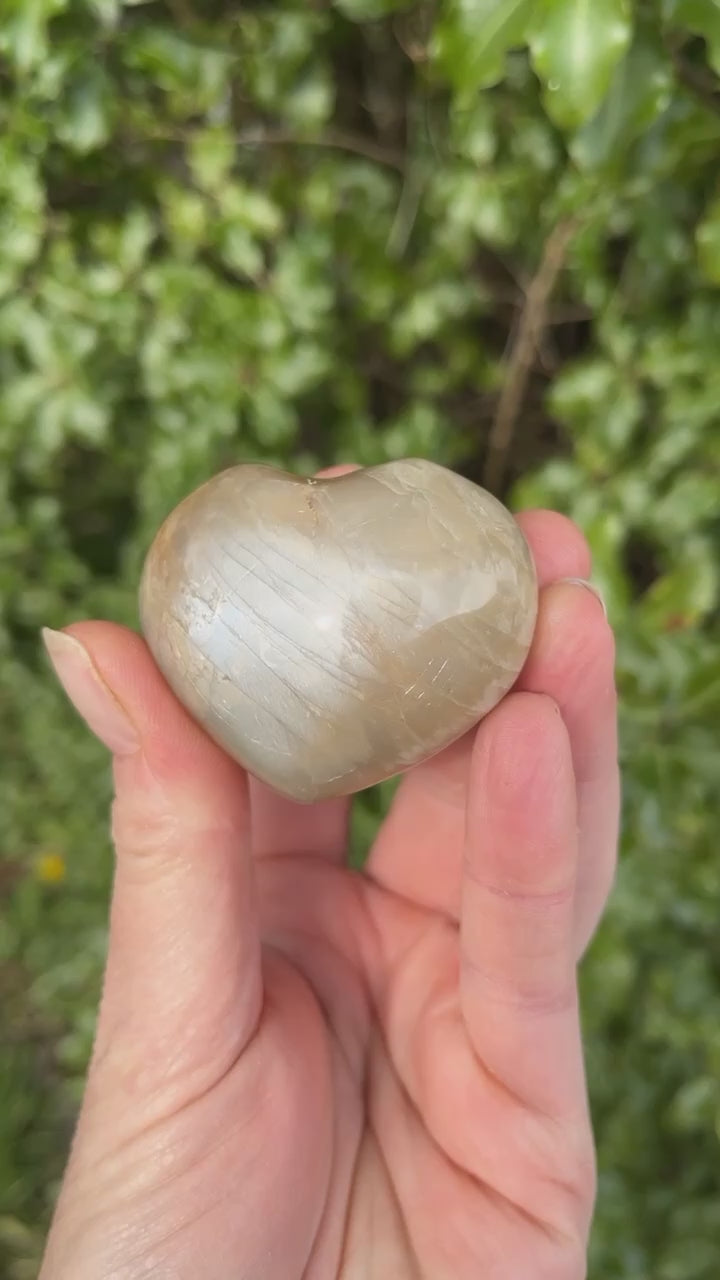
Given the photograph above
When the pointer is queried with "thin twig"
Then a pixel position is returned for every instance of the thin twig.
(529, 332)
(181, 12)
(257, 136)
(336, 139)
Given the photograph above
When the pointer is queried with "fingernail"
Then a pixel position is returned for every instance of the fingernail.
(89, 694)
(590, 586)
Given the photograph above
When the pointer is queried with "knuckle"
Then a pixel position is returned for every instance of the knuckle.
(534, 996)
(150, 829)
(589, 657)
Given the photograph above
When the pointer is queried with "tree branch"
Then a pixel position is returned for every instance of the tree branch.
(259, 137)
(335, 139)
(533, 321)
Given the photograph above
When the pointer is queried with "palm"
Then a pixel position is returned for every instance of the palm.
(428, 1166)
(389, 1148)
(305, 1071)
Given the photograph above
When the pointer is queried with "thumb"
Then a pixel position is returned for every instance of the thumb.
(182, 993)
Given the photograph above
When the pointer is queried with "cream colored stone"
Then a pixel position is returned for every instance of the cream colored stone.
(331, 633)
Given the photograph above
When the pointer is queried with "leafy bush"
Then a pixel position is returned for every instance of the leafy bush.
(483, 231)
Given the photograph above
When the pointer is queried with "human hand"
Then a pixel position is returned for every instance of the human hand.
(301, 1070)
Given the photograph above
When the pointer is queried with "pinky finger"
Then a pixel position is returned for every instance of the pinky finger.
(518, 973)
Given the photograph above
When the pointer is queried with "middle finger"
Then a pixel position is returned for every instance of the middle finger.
(418, 852)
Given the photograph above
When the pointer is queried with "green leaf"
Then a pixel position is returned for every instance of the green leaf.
(22, 214)
(602, 407)
(575, 47)
(473, 131)
(186, 216)
(707, 239)
(273, 420)
(368, 10)
(688, 504)
(24, 30)
(134, 239)
(179, 65)
(295, 370)
(472, 38)
(686, 593)
(108, 11)
(606, 534)
(429, 309)
(86, 112)
(640, 90)
(241, 251)
(310, 104)
(702, 17)
(250, 208)
(211, 156)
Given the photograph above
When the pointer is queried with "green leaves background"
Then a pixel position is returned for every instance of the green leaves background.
(306, 233)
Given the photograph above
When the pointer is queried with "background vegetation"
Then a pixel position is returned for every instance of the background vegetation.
(483, 231)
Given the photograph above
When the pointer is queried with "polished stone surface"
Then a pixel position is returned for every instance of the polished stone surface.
(330, 633)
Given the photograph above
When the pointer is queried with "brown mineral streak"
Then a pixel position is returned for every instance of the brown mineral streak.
(331, 642)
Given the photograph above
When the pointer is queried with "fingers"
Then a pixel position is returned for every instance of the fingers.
(418, 853)
(518, 975)
(559, 548)
(573, 660)
(182, 993)
(280, 827)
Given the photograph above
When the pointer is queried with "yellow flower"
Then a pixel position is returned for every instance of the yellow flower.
(50, 868)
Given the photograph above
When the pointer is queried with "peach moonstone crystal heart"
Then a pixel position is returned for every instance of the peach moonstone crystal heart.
(330, 633)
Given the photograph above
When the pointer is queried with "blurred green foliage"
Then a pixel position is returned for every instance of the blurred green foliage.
(307, 232)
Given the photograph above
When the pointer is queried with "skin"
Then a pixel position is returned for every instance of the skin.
(303, 1072)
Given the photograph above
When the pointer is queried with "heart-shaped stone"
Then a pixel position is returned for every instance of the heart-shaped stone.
(330, 633)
